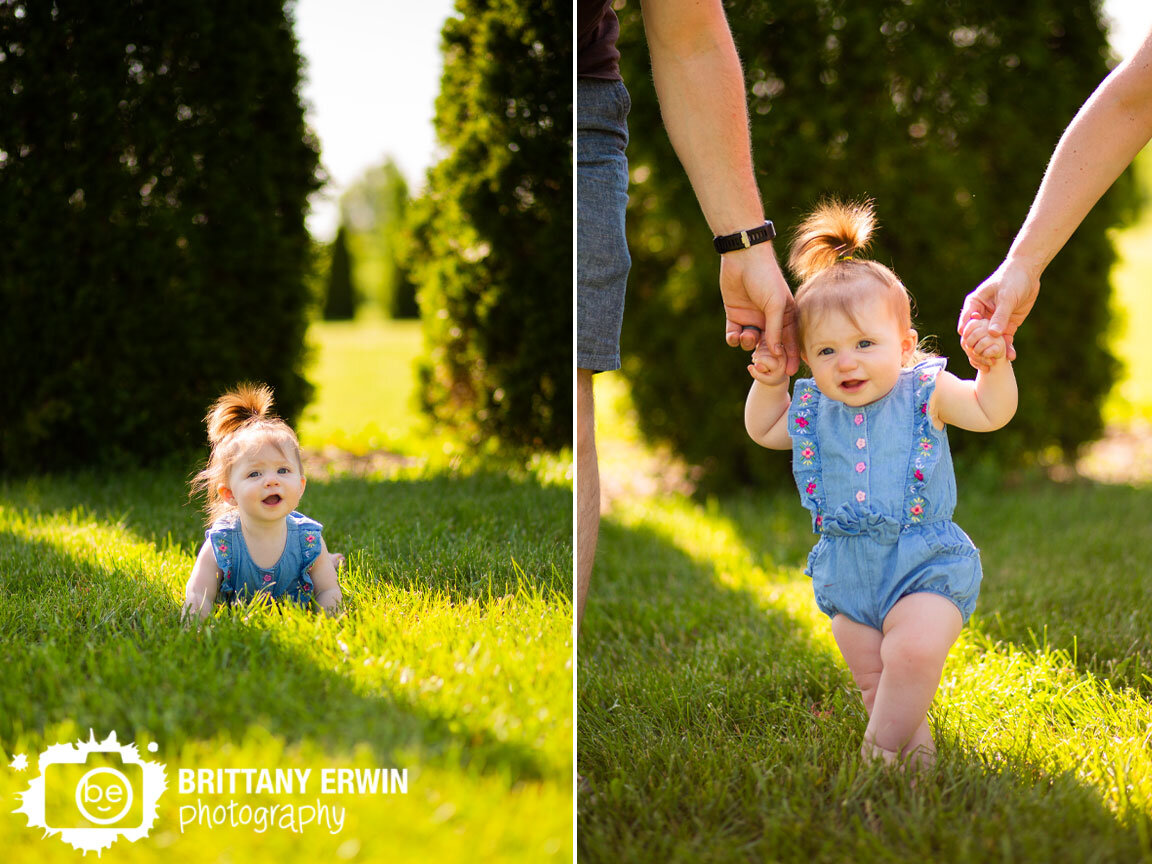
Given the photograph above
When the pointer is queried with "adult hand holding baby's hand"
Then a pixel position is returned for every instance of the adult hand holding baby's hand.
(981, 344)
(768, 368)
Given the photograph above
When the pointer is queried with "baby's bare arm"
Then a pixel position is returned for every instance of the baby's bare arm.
(766, 409)
(983, 405)
(200, 592)
(327, 586)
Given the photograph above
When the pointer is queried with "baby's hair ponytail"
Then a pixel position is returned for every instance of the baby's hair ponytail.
(835, 231)
(825, 257)
(233, 410)
(240, 419)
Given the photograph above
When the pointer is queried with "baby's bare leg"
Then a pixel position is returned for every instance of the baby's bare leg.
(918, 634)
(860, 645)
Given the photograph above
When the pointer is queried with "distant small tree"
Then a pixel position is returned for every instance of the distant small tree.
(340, 297)
(399, 287)
(377, 212)
(494, 229)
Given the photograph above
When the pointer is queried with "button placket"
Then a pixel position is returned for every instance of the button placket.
(862, 465)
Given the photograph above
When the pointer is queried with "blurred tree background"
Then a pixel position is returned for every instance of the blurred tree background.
(155, 168)
(946, 114)
(375, 212)
(492, 234)
(154, 174)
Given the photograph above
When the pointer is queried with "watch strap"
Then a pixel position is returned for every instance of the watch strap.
(744, 239)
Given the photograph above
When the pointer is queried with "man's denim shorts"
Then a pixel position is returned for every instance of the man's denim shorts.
(602, 259)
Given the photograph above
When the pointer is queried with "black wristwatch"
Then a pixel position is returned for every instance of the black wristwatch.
(744, 239)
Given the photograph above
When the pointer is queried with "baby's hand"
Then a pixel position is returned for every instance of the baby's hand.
(769, 370)
(978, 343)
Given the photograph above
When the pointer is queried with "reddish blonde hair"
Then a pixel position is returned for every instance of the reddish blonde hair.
(824, 256)
(239, 421)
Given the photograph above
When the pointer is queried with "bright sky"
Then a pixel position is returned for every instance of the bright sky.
(372, 75)
(1131, 21)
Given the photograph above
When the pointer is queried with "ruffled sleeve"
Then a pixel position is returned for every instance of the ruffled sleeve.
(927, 441)
(220, 536)
(802, 414)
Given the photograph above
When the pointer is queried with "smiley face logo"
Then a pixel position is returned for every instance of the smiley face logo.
(104, 796)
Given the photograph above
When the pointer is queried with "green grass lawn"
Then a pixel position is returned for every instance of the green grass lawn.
(453, 660)
(717, 721)
(365, 387)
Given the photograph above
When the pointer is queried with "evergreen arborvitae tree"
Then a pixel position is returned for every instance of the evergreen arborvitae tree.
(946, 115)
(340, 298)
(154, 174)
(494, 229)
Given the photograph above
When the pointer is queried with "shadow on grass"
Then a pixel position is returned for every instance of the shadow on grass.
(1067, 566)
(84, 642)
(472, 536)
(713, 727)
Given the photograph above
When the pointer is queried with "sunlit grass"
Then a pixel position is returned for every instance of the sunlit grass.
(717, 721)
(453, 658)
(365, 387)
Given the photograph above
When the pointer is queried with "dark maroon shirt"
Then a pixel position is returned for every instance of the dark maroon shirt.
(597, 31)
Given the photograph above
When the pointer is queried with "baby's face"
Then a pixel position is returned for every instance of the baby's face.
(858, 361)
(264, 483)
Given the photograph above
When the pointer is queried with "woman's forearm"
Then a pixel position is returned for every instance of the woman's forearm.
(1100, 142)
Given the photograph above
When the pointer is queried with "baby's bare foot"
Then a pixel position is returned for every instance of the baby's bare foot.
(870, 751)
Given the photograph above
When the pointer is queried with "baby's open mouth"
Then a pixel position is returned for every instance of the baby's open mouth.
(272, 500)
(852, 384)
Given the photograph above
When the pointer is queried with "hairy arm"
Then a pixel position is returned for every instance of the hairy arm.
(700, 85)
(200, 592)
(324, 581)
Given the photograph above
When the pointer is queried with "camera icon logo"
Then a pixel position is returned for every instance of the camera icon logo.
(93, 793)
(110, 791)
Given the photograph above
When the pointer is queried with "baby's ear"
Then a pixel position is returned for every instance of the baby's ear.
(225, 493)
(910, 341)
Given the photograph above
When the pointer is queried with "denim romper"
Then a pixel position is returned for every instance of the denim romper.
(289, 577)
(879, 482)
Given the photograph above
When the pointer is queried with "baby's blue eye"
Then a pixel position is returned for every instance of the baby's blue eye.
(285, 470)
(825, 352)
(253, 473)
(865, 343)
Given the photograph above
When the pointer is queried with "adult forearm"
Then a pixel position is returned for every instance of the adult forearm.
(700, 85)
(1100, 142)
